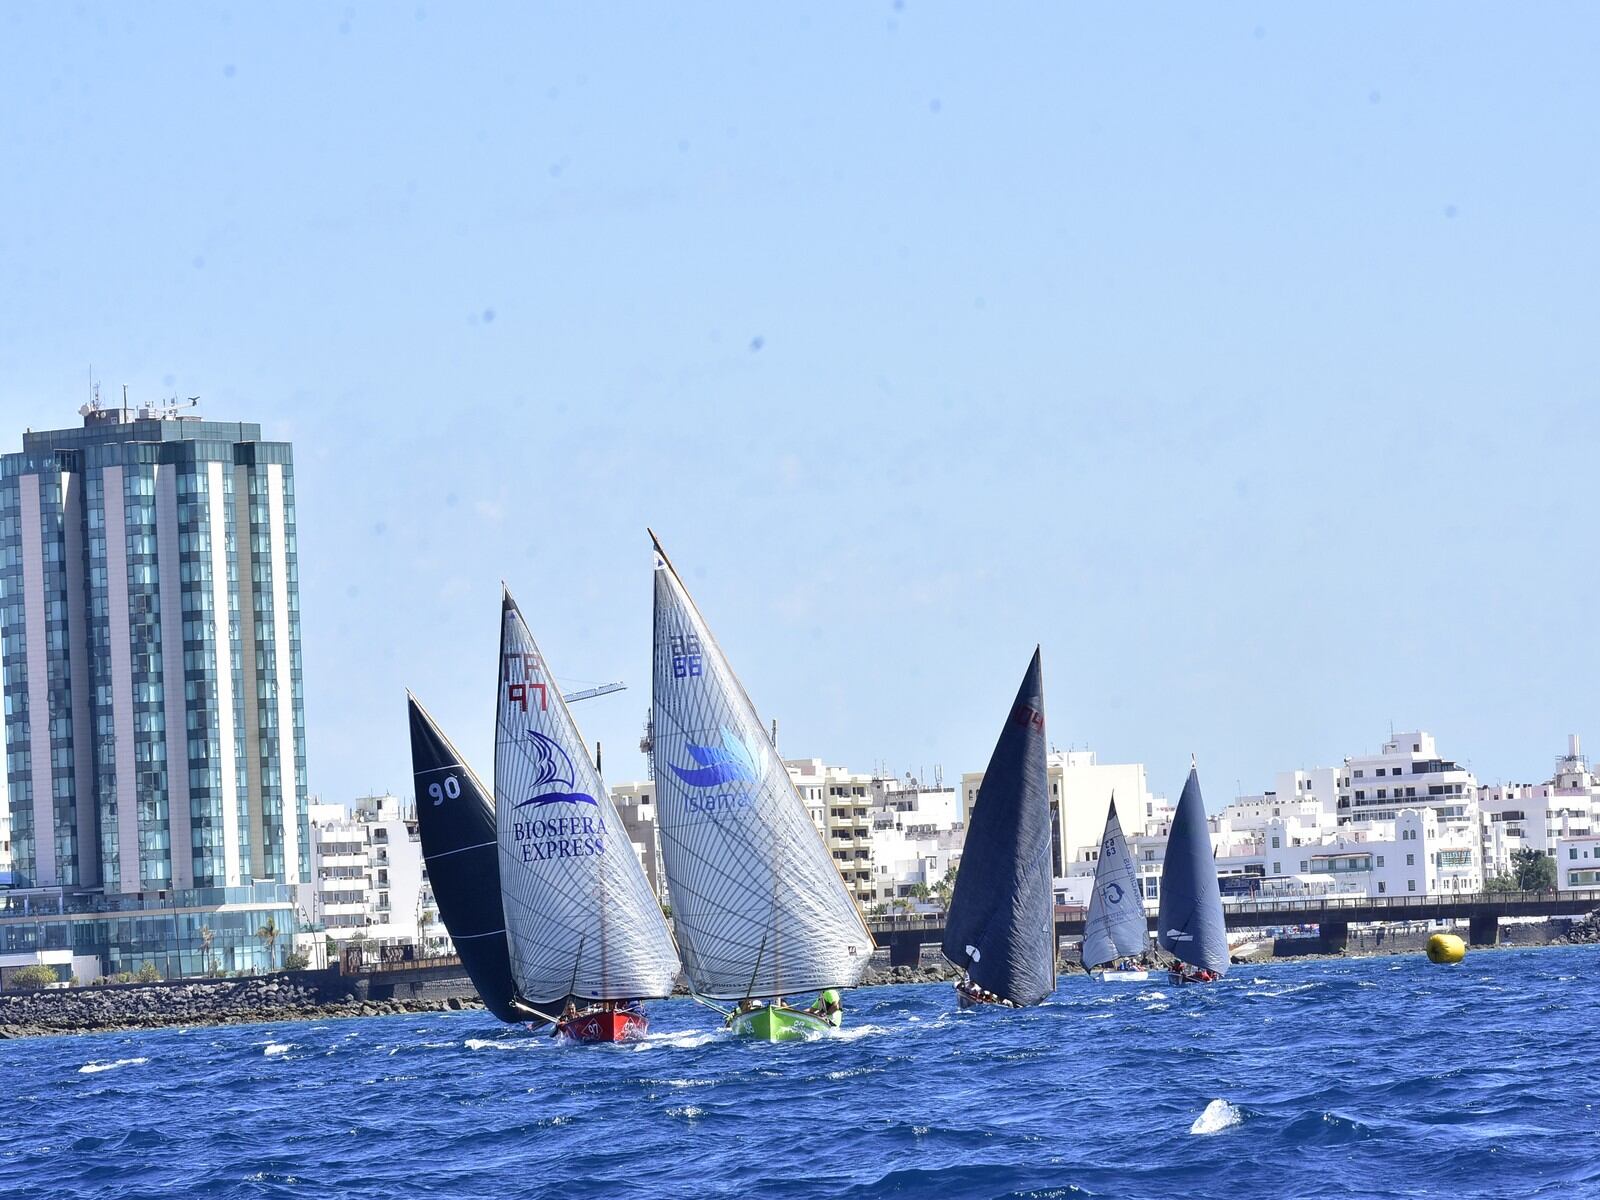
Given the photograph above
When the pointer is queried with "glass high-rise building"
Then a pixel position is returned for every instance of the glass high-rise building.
(150, 617)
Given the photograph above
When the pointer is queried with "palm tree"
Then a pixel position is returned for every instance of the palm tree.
(268, 933)
(207, 938)
(424, 919)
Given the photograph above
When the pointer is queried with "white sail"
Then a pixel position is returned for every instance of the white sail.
(580, 917)
(757, 902)
(1115, 925)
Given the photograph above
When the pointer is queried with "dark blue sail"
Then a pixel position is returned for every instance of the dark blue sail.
(1001, 925)
(1191, 925)
(455, 820)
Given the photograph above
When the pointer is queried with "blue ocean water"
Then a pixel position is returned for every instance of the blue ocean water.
(1374, 1078)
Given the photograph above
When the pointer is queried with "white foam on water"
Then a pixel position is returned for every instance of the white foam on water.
(683, 1039)
(853, 1071)
(1156, 995)
(502, 1043)
(689, 1112)
(683, 1083)
(95, 1068)
(276, 1048)
(855, 1032)
(1099, 1016)
(1156, 1008)
(1218, 1116)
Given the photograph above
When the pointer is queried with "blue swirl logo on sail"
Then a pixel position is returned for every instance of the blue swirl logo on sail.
(734, 761)
(555, 768)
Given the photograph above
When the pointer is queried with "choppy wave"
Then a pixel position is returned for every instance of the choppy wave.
(95, 1068)
(1336, 1067)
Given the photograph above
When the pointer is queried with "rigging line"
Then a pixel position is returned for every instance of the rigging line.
(757, 970)
(458, 850)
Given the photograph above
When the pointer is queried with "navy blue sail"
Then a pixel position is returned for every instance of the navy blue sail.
(455, 820)
(1001, 925)
(1191, 924)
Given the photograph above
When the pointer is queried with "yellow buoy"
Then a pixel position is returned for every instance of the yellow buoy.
(1446, 948)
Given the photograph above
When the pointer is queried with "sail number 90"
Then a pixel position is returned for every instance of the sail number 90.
(685, 656)
(448, 790)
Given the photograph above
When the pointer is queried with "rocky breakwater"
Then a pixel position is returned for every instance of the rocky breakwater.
(1585, 931)
(198, 1002)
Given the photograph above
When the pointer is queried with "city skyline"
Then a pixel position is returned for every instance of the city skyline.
(1228, 417)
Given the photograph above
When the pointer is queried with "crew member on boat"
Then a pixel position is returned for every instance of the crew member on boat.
(827, 1007)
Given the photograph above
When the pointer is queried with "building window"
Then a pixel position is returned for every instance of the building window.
(1572, 853)
(1358, 773)
(1275, 843)
(1380, 860)
(1411, 860)
(1411, 885)
(1381, 887)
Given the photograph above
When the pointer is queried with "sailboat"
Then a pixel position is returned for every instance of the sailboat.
(587, 938)
(1001, 925)
(1115, 927)
(456, 825)
(1191, 926)
(758, 906)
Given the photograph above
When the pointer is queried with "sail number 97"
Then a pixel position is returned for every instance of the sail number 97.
(450, 789)
(686, 659)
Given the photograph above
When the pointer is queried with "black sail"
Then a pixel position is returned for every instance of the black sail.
(1001, 925)
(455, 819)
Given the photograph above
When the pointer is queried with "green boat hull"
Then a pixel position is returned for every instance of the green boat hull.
(770, 1023)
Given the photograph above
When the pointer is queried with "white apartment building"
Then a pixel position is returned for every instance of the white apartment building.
(917, 835)
(1526, 816)
(367, 875)
(1578, 863)
(636, 805)
(1406, 773)
(1081, 788)
(843, 801)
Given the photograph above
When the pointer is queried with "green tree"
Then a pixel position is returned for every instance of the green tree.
(27, 978)
(149, 973)
(919, 891)
(1535, 871)
(1501, 883)
(946, 887)
(424, 919)
(296, 960)
(268, 933)
(208, 938)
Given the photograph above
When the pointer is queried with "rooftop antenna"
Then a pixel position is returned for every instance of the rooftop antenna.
(124, 412)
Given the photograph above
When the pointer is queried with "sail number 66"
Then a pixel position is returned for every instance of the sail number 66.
(685, 656)
(449, 790)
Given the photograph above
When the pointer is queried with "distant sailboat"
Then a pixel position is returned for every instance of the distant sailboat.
(1115, 927)
(758, 905)
(1191, 926)
(587, 938)
(456, 825)
(1001, 925)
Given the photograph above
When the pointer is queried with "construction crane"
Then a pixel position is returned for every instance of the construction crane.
(605, 689)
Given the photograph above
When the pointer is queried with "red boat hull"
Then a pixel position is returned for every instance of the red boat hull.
(601, 1025)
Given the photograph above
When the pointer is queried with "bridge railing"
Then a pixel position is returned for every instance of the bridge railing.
(1549, 901)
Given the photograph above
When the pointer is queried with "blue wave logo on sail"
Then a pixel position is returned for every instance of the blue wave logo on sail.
(555, 768)
(734, 761)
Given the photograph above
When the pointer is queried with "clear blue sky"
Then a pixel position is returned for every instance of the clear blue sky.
(1245, 357)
